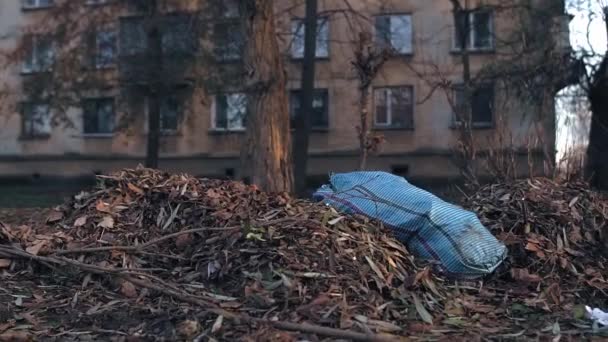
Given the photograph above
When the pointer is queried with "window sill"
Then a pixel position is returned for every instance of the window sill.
(167, 133)
(475, 126)
(314, 130)
(97, 4)
(392, 128)
(35, 8)
(301, 59)
(34, 137)
(95, 135)
(402, 54)
(487, 51)
(219, 131)
(103, 67)
(34, 72)
(228, 61)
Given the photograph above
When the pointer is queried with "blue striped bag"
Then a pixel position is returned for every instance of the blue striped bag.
(450, 237)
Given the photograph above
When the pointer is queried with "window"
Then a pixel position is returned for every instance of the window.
(170, 109)
(229, 40)
(394, 107)
(322, 41)
(482, 105)
(97, 2)
(481, 31)
(133, 39)
(34, 4)
(36, 120)
(98, 116)
(39, 54)
(230, 112)
(176, 36)
(105, 49)
(394, 32)
(319, 115)
(229, 8)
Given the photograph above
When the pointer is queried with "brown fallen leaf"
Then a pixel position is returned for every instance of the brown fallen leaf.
(183, 240)
(5, 263)
(107, 222)
(103, 207)
(135, 189)
(5, 326)
(54, 216)
(189, 329)
(128, 289)
(16, 336)
(522, 274)
(36, 247)
(81, 221)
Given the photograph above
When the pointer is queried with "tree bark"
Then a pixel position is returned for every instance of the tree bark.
(463, 114)
(155, 85)
(266, 151)
(597, 151)
(364, 131)
(303, 120)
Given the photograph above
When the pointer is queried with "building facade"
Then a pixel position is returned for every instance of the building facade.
(413, 97)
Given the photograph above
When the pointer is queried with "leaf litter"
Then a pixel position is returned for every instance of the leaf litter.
(149, 255)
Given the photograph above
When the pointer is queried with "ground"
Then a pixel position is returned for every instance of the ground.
(537, 294)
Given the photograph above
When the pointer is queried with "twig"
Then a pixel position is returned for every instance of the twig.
(163, 238)
(211, 307)
(142, 246)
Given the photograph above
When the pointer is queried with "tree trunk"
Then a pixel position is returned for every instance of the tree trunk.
(267, 149)
(154, 89)
(303, 120)
(364, 129)
(467, 148)
(597, 151)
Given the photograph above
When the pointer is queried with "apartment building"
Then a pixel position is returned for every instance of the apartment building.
(413, 101)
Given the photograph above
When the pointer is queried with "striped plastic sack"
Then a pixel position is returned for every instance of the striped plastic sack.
(450, 237)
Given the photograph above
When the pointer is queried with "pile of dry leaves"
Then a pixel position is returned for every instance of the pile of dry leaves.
(247, 259)
(556, 234)
(148, 255)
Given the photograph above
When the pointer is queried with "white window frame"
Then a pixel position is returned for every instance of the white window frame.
(35, 66)
(410, 48)
(322, 38)
(214, 114)
(25, 4)
(472, 33)
(389, 112)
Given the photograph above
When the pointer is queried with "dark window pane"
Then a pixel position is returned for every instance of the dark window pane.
(105, 48)
(98, 116)
(381, 107)
(178, 35)
(228, 40)
(461, 30)
(36, 119)
(221, 110)
(482, 105)
(133, 39)
(169, 113)
(401, 107)
(383, 31)
(482, 27)
(319, 116)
